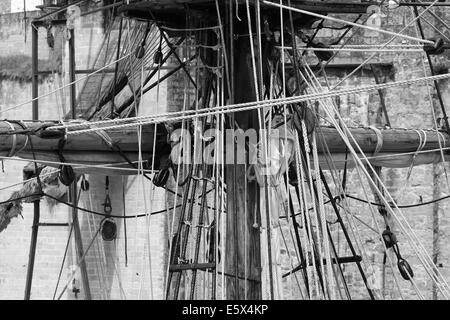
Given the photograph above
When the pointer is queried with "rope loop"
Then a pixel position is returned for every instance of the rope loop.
(438, 46)
(24, 127)
(380, 141)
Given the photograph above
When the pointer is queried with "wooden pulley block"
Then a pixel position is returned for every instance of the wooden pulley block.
(66, 175)
(405, 269)
(109, 229)
(292, 175)
(322, 55)
(48, 133)
(158, 58)
(140, 52)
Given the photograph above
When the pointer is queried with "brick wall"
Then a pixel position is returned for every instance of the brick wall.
(109, 276)
(5, 7)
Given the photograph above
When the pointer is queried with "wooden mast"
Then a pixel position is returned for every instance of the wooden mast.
(243, 236)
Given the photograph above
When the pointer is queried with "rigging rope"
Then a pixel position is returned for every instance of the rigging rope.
(369, 165)
(66, 85)
(192, 114)
(309, 13)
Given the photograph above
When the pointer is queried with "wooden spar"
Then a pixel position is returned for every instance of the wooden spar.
(90, 149)
(85, 149)
(161, 7)
(126, 139)
(394, 140)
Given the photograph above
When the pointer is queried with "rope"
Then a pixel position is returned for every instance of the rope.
(307, 232)
(94, 212)
(380, 234)
(29, 180)
(63, 260)
(99, 254)
(312, 77)
(384, 45)
(359, 46)
(190, 29)
(314, 87)
(332, 49)
(418, 247)
(316, 213)
(14, 133)
(283, 73)
(405, 206)
(136, 121)
(78, 264)
(309, 13)
(419, 31)
(379, 140)
(322, 213)
(76, 165)
(425, 258)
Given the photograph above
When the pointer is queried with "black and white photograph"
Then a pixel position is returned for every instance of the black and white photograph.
(224, 157)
